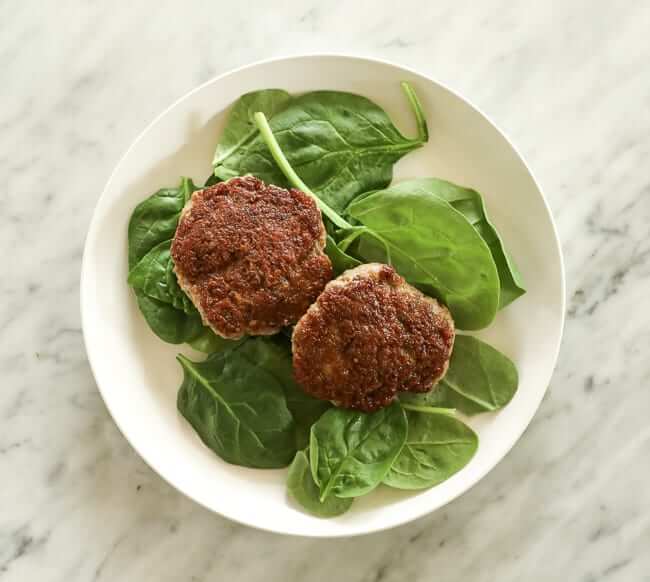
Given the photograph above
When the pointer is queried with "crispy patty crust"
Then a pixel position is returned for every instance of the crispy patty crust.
(250, 256)
(369, 336)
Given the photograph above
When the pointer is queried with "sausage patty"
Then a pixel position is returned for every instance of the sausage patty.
(250, 256)
(369, 336)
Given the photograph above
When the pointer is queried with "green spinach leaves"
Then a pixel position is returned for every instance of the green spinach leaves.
(171, 325)
(168, 311)
(437, 446)
(154, 276)
(435, 234)
(235, 401)
(430, 243)
(303, 489)
(433, 247)
(341, 261)
(240, 130)
(351, 452)
(479, 379)
(342, 144)
(155, 219)
(470, 204)
(244, 404)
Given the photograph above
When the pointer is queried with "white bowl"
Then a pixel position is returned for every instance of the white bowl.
(138, 375)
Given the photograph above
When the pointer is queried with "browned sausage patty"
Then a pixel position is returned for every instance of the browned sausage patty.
(250, 256)
(369, 336)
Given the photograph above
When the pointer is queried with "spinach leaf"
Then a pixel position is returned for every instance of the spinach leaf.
(423, 407)
(164, 305)
(437, 446)
(305, 409)
(287, 331)
(168, 323)
(470, 204)
(236, 403)
(154, 276)
(155, 219)
(211, 181)
(209, 342)
(240, 129)
(342, 144)
(341, 261)
(351, 452)
(178, 324)
(479, 379)
(434, 247)
(301, 486)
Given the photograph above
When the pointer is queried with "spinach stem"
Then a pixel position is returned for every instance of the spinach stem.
(188, 187)
(428, 409)
(356, 232)
(267, 135)
(423, 130)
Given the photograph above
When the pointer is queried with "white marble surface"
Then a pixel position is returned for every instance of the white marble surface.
(569, 82)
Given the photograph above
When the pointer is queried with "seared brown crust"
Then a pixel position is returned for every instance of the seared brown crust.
(369, 336)
(250, 256)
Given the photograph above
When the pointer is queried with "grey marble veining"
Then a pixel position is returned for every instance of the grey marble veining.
(568, 81)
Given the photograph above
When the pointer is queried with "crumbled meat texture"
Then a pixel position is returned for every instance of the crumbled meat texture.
(250, 256)
(369, 336)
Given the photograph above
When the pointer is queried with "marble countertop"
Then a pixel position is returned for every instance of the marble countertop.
(570, 84)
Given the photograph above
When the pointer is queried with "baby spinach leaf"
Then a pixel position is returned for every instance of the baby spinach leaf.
(287, 331)
(479, 379)
(164, 305)
(168, 323)
(277, 154)
(209, 342)
(342, 144)
(154, 276)
(240, 129)
(301, 487)
(305, 409)
(211, 181)
(434, 247)
(179, 298)
(155, 219)
(437, 446)
(413, 406)
(177, 326)
(341, 261)
(470, 204)
(236, 403)
(351, 452)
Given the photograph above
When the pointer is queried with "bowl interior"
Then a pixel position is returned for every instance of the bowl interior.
(137, 373)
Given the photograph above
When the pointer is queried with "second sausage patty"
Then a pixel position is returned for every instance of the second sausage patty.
(250, 256)
(369, 336)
